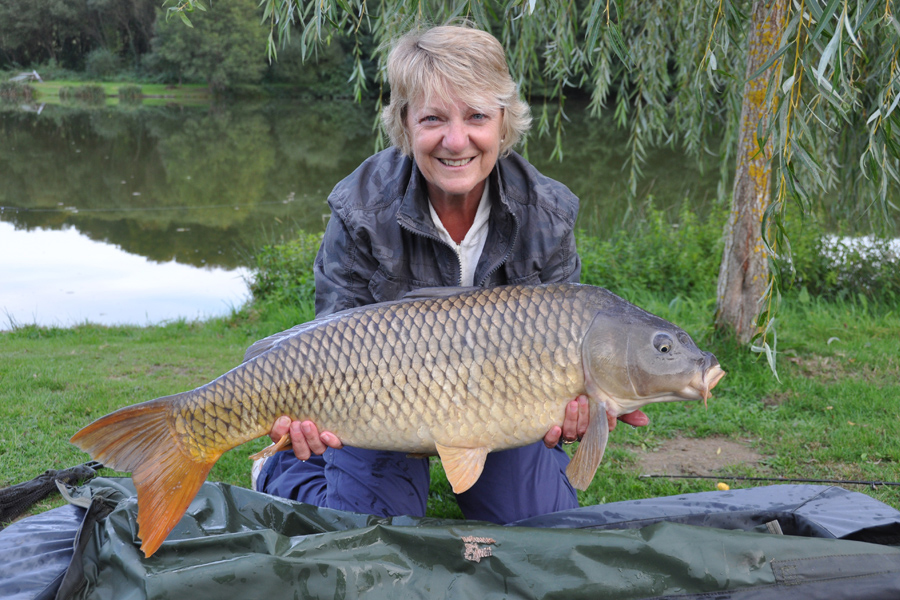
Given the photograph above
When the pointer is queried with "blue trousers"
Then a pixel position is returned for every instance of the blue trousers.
(515, 484)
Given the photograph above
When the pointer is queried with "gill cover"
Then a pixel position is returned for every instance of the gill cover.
(635, 358)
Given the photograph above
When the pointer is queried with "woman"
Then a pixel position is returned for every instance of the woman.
(449, 204)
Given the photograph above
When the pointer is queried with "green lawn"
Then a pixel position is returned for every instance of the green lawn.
(154, 93)
(834, 414)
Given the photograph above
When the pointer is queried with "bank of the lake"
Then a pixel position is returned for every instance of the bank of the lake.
(99, 93)
(833, 415)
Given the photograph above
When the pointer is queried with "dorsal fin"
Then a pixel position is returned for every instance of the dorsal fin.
(267, 343)
(438, 292)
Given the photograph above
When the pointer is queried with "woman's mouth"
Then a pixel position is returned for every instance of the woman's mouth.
(456, 163)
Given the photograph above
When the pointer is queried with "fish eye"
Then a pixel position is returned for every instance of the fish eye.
(663, 342)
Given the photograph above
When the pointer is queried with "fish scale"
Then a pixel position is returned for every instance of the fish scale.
(331, 360)
(459, 373)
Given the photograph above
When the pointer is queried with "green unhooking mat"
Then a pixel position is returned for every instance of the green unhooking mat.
(237, 544)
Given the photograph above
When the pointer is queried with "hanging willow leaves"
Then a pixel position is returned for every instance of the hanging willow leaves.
(675, 72)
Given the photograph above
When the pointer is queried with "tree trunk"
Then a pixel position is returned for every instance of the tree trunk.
(744, 272)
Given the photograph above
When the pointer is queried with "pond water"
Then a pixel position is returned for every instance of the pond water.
(147, 214)
(61, 277)
(141, 215)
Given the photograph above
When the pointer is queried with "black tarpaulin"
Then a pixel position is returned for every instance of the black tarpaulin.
(235, 543)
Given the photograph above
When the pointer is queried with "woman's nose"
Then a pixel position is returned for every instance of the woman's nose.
(456, 137)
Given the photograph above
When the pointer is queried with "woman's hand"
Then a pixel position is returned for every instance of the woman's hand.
(576, 421)
(305, 437)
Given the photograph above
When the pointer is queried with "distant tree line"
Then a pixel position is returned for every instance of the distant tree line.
(133, 40)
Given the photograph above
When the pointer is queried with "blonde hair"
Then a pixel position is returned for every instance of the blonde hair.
(447, 62)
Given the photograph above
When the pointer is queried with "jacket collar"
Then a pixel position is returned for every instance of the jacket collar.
(415, 216)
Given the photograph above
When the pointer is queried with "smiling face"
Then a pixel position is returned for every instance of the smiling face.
(455, 147)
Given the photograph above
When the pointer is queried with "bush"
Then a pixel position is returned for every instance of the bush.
(836, 267)
(87, 94)
(131, 94)
(16, 92)
(678, 259)
(223, 47)
(102, 63)
(52, 71)
(284, 272)
(674, 259)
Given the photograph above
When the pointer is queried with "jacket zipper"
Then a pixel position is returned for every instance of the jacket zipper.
(442, 242)
(459, 260)
(509, 250)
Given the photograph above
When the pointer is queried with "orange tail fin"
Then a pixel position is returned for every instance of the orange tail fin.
(141, 440)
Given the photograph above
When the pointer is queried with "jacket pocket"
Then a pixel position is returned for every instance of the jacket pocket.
(530, 279)
(385, 287)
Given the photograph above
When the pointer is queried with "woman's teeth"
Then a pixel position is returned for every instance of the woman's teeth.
(455, 163)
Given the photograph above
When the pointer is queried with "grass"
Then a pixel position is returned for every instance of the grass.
(834, 413)
(53, 381)
(48, 92)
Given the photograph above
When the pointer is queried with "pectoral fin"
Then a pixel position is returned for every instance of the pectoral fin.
(283, 444)
(590, 451)
(463, 466)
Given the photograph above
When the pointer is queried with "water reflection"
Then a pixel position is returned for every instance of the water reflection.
(141, 179)
(203, 187)
(60, 277)
(240, 174)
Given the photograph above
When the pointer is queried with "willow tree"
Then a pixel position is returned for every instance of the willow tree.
(744, 273)
(805, 92)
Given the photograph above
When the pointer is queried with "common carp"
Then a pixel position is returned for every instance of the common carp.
(453, 372)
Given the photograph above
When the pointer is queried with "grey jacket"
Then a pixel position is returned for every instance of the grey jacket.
(381, 243)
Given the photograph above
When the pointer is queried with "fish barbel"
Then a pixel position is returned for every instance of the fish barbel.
(453, 372)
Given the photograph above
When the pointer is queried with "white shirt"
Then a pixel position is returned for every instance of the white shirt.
(469, 250)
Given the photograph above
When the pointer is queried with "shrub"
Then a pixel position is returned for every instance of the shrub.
(87, 94)
(837, 267)
(678, 259)
(16, 92)
(675, 259)
(284, 272)
(132, 94)
(657, 256)
(53, 71)
(102, 63)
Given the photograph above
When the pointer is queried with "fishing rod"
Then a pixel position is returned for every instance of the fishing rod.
(872, 484)
(16, 499)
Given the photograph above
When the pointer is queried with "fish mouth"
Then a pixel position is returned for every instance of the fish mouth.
(701, 385)
(698, 388)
